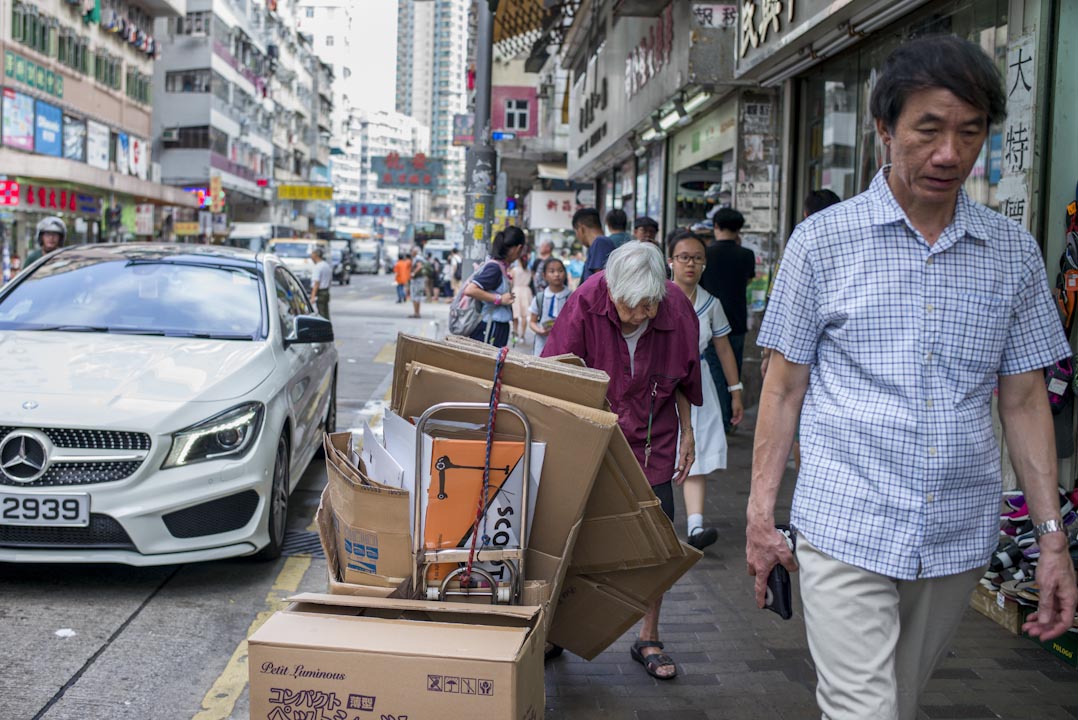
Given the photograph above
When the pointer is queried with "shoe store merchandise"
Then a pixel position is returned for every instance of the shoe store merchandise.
(1008, 592)
(502, 511)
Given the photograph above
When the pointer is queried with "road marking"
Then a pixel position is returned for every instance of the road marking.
(221, 698)
(373, 298)
(387, 354)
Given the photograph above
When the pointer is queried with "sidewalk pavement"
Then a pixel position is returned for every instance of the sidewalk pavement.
(735, 661)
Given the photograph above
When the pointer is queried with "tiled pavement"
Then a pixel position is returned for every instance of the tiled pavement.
(739, 662)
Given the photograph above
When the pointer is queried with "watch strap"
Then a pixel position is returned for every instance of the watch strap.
(1048, 526)
(734, 388)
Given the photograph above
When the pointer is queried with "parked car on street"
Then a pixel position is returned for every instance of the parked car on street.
(158, 404)
(296, 255)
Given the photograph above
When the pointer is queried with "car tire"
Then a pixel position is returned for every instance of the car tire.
(277, 504)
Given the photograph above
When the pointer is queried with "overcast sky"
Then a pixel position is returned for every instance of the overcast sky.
(376, 44)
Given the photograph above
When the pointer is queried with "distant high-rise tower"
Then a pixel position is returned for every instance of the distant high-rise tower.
(431, 67)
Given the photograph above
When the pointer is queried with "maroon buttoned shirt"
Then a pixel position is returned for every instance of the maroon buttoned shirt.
(667, 359)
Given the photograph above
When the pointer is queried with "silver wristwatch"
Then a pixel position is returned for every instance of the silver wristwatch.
(1048, 526)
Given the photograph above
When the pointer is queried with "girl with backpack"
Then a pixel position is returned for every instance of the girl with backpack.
(491, 285)
(549, 302)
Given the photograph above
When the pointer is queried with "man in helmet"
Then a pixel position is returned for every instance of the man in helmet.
(51, 233)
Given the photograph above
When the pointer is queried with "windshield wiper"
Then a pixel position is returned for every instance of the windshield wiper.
(209, 335)
(71, 328)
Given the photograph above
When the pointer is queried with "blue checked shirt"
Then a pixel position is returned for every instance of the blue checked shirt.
(900, 469)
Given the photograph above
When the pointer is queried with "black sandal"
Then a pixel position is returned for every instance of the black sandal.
(653, 662)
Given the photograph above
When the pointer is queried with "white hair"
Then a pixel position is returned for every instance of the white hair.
(635, 273)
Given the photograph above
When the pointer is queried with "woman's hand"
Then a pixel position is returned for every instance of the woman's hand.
(686, 455)
(507, 298)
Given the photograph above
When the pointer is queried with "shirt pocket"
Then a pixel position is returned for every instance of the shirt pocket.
(973, 334)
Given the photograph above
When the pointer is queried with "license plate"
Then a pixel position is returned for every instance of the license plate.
(58, 510)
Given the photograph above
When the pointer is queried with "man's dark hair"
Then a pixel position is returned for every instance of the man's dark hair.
(589, 218)
(505, 241)
(817, 200)
(939, 61)
(616, 220)
(728, 219)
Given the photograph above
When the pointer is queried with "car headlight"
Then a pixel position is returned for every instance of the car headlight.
(227, 434)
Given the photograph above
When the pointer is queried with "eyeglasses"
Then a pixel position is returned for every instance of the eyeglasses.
(690, 259)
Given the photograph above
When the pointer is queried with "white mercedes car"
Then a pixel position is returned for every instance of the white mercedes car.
(158, 403)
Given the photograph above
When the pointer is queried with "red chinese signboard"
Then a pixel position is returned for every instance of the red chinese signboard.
(407, 173)
(31, 196)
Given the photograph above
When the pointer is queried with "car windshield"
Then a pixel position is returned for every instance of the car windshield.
(366, 255)
(291, 249)
(337, 255)
(143, 296)
(339, 245)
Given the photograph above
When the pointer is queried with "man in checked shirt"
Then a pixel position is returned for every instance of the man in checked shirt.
(893, 317)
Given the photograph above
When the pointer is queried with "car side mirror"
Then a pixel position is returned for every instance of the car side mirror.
(311, 329)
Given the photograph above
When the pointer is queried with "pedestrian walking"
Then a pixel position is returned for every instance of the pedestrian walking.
(897, 503)
(645, 229)
(418, 281)
(522, 297)
(321, 279)
(730, 267)
(617, 226)
(589, 231)
(575, 267)
(546, 251)
(630, 317)
(548, 302)
(687, 260)
(433, 277)
(455, 272)
(492, 286)
(402, 273)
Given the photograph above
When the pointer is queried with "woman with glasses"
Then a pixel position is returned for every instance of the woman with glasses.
(631, 322)
(688, 255)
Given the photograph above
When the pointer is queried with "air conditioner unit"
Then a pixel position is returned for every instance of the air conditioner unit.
(170, 135)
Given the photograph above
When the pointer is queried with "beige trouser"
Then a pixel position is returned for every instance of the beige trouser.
(875, 640)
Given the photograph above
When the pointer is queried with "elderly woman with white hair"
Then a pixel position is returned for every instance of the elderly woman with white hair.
(639, 328)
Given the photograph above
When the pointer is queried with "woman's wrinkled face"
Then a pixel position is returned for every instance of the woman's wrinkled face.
(634, 316)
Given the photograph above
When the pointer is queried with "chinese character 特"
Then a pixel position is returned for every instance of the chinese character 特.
(1020, 75)
(1017, 143)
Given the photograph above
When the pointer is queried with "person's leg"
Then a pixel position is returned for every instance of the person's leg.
(930, 611)
(852, 624)
(695, 489)
(323, 303)
(649, 630)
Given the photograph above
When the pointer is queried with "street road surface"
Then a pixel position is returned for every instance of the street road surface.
(89, 642)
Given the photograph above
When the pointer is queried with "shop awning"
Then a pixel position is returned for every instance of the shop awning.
(519, 24)
(553, 171)
(58, 170)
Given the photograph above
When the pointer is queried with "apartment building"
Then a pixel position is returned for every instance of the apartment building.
(75, 119)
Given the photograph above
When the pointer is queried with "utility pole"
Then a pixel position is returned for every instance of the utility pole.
(481, 160)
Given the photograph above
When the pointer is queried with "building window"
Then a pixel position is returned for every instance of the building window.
(138, 86)
(516, 114)
(107, 69)
(194, 23)
(197, 138)
(329, 41)
(188, 81)
(310, 12)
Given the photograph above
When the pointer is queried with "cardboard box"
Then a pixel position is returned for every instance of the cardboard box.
(1064, 647)
(369, 585)
(593, 611)
(1007, 614)
(371, 521)
(329, 656)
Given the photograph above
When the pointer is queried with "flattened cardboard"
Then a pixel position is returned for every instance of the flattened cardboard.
(540, 375)
(593, 611)
(370, 520)
(348, 657)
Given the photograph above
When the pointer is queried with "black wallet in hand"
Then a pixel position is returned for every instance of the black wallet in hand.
(779, 597)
